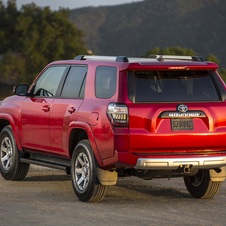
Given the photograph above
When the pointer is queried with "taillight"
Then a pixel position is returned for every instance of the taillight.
(118, 114)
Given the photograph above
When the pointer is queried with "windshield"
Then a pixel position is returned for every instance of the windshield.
(171, 86)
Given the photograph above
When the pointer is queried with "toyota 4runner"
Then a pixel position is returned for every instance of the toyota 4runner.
(101, 117)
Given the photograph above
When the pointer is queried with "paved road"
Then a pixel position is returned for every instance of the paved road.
(47, 198)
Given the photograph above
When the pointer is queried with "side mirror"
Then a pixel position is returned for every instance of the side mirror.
(21, 90)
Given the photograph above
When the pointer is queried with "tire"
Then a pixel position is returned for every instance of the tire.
(10, 166)
(83, 174)
(200, 185)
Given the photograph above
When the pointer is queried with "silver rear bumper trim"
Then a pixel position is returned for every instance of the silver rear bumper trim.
(174, 163)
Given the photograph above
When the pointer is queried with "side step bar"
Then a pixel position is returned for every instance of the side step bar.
(45, 164)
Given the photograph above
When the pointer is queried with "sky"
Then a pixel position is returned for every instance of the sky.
(72, 4)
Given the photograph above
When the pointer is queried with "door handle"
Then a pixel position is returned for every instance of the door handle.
(46, 108)
(71, 110)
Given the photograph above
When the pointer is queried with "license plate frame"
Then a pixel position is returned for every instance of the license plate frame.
(182, 124)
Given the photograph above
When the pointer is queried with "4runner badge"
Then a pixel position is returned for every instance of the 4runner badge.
(182, 108)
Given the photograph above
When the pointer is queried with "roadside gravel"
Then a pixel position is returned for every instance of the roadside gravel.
(46, 197)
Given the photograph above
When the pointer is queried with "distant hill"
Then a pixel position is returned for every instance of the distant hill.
(132, 29)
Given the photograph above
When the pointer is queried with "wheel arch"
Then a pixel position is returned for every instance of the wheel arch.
(3, 123)
(79, 131)
(6, 119)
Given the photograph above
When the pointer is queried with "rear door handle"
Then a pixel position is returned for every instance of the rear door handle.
(46, 108)
(71, 110)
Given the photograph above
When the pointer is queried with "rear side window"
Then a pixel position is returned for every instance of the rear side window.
(74, 86)
(105, 82)
(171, 86)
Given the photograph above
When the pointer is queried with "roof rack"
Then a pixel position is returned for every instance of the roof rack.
(173, 57)
(133, 59)
(115, 58)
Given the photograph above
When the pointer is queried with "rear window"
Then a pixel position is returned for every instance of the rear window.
(171, 86)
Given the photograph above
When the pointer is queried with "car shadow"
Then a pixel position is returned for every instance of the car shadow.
(48, 178)
(126, 190)
(147, 190)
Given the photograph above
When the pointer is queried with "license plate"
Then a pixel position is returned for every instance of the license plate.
(181, 124)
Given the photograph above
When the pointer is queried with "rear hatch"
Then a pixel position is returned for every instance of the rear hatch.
(176, 112)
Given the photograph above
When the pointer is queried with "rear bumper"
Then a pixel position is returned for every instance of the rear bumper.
(174, 163)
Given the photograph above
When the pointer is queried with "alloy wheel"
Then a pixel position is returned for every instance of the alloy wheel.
(6, 153)
(82, 171)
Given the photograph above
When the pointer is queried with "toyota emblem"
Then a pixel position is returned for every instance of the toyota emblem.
(182, 108)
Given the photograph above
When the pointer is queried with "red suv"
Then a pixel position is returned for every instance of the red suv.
(100, 117)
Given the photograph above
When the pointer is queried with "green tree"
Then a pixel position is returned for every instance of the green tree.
(173, 50)
(8, 17)
(222, 73)
(176, 50)
(39, 36)
(212, 58)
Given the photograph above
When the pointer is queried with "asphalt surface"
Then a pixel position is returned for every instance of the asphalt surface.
(47, 198)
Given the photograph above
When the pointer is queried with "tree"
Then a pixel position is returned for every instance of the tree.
(173, 50)
(212, 58)
(176, 50)
(40, 36)
(8, 17)
(222, 73)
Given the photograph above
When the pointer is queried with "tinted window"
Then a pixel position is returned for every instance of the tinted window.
(74, 86)
(49, 81)
(105, 83)
(171, 86)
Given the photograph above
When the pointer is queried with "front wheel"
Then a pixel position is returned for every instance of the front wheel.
(84, 176)
(201, 186)
(10, 166)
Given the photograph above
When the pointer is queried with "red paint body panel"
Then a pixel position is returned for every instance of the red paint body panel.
(10, 110)
(147, 131)
(60, 119)
(34, 124)
(14, 128)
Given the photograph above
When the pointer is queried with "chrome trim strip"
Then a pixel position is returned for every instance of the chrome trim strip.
(174, 163)
(177, 114)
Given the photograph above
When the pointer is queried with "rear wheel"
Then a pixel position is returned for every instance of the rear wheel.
(83, 174)
(200, 185)
(10, 166)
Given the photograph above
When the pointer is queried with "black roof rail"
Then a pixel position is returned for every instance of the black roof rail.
(121, 59)
(197, 58)
(174, 57)
(79, 57)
